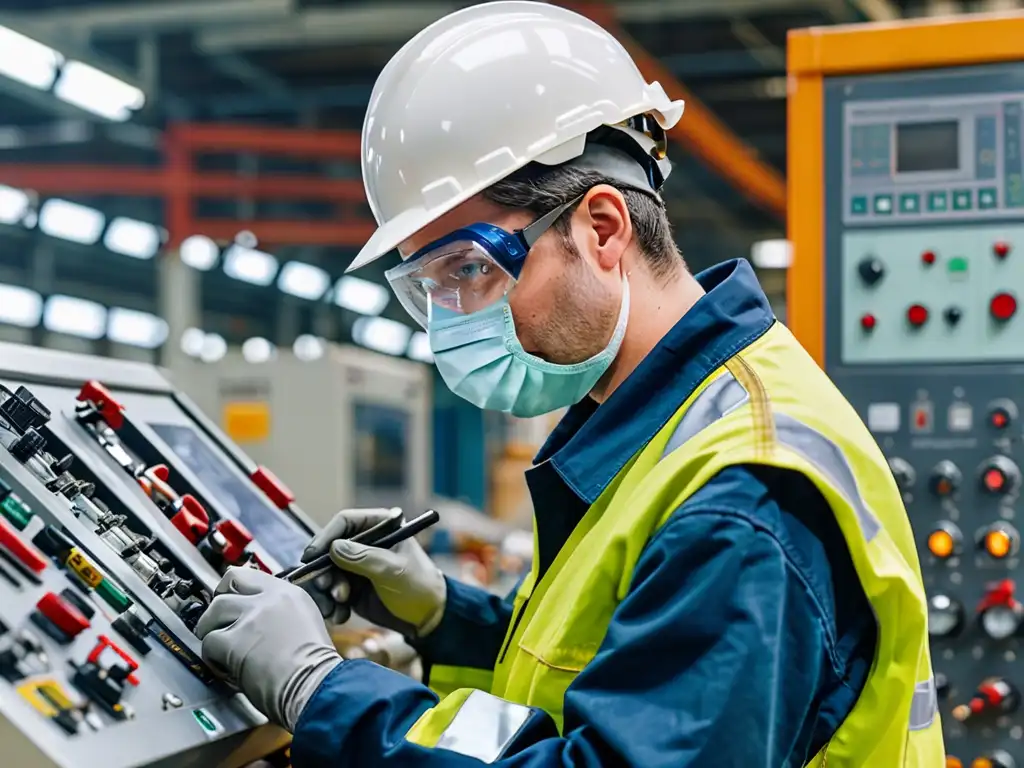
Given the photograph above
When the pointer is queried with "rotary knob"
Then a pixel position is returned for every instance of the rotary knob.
(997, 758)
(871, 270)
(945, 479)
(903, 473)
(945, 616)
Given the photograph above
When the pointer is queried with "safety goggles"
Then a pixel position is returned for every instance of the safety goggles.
(469, 269)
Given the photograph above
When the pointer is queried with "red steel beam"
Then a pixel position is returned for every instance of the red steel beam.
(700, 131)
(197, 137)
(352, 233)
(158, 182)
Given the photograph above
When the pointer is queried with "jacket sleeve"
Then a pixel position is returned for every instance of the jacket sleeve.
(713, 658)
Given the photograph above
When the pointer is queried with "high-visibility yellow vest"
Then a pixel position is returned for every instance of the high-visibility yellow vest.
(770, 404)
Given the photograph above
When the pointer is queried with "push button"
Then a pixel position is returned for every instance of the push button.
(23, 552)
(917, 315)
(62, 614)
(1003, 306)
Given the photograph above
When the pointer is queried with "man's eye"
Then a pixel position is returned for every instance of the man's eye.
(467, 271)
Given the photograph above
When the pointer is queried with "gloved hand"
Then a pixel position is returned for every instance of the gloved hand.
(406, 591)
(268, 637)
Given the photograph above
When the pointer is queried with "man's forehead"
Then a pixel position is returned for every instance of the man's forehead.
(475, 210)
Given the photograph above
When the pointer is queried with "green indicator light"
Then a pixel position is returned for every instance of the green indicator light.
(113, 596)
(958, 264)
(16, 511)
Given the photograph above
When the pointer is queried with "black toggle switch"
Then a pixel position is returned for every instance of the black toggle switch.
(27, 446)
(871, 270)
(60, 466)
(23, 410)
(953, 315)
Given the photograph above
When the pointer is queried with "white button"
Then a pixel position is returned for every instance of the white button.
(961, 417)
(884, 417)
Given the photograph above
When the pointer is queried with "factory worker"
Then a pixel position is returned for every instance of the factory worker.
(724, 573)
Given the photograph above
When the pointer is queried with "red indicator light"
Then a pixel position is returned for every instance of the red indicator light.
(1003, 306)
(1001, 249)
(1000, 419)
(994, 480)
(928, 257)
(917, 315)
(868, 322)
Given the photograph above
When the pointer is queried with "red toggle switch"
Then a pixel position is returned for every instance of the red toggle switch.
(999, 594)
(99, 396)
(276, 491)
(103, 643)
(190, 518)
(160, 472)
(237, 538)
(62, 614)
(24, 552)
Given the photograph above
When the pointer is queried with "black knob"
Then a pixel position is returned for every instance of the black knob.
(23, 410)
(27, 446)
(54, 543)
(871, 270)
(945, 479)
(1000, 758)
(953, 315)
(60, 466)
(903, 473)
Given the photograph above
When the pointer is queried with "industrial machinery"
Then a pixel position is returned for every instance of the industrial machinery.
(366, 444)
(907, 221)
(120, 506)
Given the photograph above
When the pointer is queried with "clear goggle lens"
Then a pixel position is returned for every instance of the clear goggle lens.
(457, 278)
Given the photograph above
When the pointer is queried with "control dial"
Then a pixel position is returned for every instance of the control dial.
(945, 616)
(994, 696)
(945, 479)
(871, 270)
(999, 476)
(945, 540)
(904, 474)
(999, 540)
(1000, 613)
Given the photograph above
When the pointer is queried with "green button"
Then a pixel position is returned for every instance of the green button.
(962, 200)
(859, 205)
(883, 205)
(938, 202)
(957, 264)
(16, 512)
(910, 203)
(988, 198)
(113, 596)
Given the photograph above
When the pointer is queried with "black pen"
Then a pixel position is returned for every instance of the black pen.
(323, 564)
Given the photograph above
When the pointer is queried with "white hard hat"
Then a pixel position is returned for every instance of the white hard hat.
(481, 93)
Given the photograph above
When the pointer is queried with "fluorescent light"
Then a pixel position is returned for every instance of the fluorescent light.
(214, 348)
(71, 221)
(772, 254)
(20, 306)
(419, 348)
(303, 280)
(362, 296)
(139, 329)
(199, 252)
(250, 265)
(97, 92)
(258, 350)
(382, 335)
(308, 347)
(75, 317)
(14, 204)
(137, 239)
(26, 60)
(192, 342)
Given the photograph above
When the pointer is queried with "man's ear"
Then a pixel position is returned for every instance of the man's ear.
(602, 225)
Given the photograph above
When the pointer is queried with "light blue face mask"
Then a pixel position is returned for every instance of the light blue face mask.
(481, 360)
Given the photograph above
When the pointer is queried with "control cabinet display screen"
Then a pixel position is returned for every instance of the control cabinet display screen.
(923, 147)
(281, 536)
(381, 447)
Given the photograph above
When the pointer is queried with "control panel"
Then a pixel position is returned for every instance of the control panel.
(924, 273)
(120, 506)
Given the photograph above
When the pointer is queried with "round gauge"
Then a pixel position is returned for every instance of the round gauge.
(945, 616)
(1001, 621)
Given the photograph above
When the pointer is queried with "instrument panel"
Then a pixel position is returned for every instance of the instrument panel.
(120, 507)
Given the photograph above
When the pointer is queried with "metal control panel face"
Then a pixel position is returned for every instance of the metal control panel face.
(110, 547)
(924, 265)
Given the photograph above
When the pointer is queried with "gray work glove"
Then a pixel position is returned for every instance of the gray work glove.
(406, 591)
(267, 636)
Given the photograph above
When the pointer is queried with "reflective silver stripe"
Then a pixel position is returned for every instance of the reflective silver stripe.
(484, 727)
(721, 396)
(924, 706)
(829, 459)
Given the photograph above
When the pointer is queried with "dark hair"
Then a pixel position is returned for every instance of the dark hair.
(539, 190)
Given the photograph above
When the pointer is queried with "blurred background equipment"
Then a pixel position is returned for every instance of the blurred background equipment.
(907, 229)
